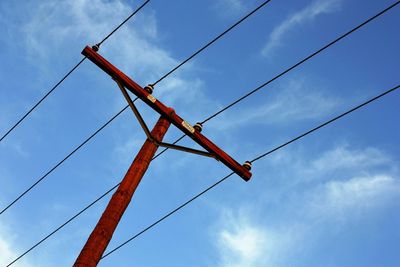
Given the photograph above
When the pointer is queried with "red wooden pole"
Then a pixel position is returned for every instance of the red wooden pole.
(102, 233)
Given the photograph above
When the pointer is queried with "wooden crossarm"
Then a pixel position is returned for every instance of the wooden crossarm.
(167, 112)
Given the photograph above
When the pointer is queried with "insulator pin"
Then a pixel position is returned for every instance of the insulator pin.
(247, 165)
(149, 88)
(198, 127)
(96, 47)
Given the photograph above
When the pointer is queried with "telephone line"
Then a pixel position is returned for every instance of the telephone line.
(61, 161)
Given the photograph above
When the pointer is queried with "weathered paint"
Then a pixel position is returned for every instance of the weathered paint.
(165, 111)
(102, 233)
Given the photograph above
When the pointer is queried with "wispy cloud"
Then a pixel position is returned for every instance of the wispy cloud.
(227, 8)
(298, 100)
(56, 26)
(307, 214)
(355, 196)
(307, 14)
(243, 243)
(346, 159)
(349, 184)
(135, 48)
(340, 163)
(7, 248)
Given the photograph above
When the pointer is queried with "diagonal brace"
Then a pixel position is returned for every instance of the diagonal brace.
(147, 131)
(135, 111)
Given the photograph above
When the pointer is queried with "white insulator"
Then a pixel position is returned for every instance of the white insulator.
(149, 88)
(198, 127)
(96, 47)
(247, 165)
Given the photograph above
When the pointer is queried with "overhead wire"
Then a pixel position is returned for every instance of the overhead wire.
(42, 99)
(212, 41)
(295, 65)
(123, 22)
(69, 73)
(212, 116)
(72, 218)
(168, 214)
(61, 162)
(121, 111)
(62, 225)
(303, 60)
(253, 160)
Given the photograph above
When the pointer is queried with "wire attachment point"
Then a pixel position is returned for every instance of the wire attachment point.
(247, 165)
(149, 88)
(96, 47)
(198, 127)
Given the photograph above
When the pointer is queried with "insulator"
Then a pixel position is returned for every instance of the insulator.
(247, 165)
(96, 47)
(149, 88)
(198, 127)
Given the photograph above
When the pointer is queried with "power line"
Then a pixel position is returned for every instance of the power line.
(295, 65)
(303, 60)
(62, 225)
(82, 144)
(123, 22)
(76, 215)
(43, 98)
(255, 159)
(69, 73)
(169, 214)
(61, 161)
(326, 123)
(212, 41)
(276, 77)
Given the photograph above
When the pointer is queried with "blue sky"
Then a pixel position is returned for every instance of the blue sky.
(331, 199)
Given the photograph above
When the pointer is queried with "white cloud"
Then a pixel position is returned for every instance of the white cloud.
(305, 15)
(229, 7)
(240, 242)
(245, 242)
(135, 49)
(7, 248)
(345, 200)
(343, 158)
(58, 25)
(6, 255)
(341, 183)
(298, 100)
(299, 221)
(341, 162)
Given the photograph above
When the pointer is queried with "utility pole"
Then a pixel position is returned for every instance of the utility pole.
(102, 233)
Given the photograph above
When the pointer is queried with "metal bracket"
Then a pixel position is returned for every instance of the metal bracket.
(187, 149)
(147, 131)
